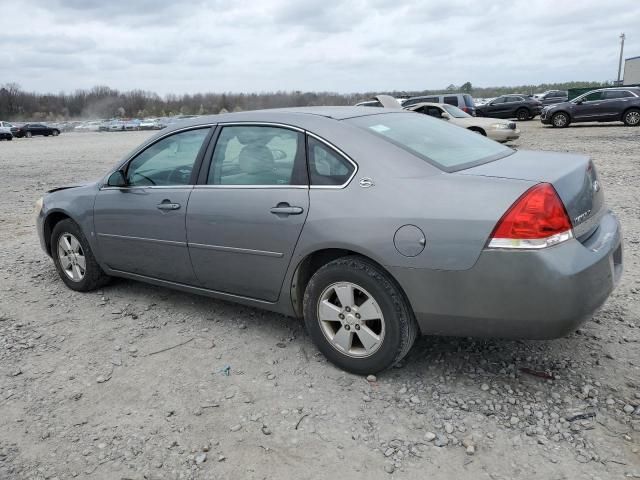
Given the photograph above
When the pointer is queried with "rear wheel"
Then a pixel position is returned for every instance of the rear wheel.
(560, 120)
(74, 259)
(357, 316)
(28, 134)
(523, 114)
(55, 133)
(631, 117)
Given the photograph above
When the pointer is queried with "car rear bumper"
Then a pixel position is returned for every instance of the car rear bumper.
(519, 294)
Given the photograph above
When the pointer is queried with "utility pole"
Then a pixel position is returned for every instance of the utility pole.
(619, 82)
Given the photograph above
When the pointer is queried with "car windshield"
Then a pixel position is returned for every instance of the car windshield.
(448, 147)
(455, 111)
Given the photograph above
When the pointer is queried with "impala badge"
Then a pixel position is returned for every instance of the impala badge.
(366, 182)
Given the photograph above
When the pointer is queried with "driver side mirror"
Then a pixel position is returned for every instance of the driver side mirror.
(445, 116)
(579, 102)
(117, 179)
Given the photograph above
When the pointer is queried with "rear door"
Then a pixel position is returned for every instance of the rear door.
(246, 214)
(141, 227)
(614, 102)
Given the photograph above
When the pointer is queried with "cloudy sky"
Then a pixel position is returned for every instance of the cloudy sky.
(171, 46)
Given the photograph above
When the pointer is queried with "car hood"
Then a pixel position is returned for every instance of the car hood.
(66, 187)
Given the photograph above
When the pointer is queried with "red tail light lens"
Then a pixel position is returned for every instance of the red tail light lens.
(537, 219)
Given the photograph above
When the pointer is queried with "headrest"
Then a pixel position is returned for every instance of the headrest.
(255, 159)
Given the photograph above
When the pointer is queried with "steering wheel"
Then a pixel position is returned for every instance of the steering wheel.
(179, 176)
(145, 177)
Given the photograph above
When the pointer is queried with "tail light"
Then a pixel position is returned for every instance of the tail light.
(537, 219)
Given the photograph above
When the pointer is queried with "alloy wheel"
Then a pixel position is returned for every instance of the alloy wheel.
(632, 118)
(71, 256)
(560, 120)
(351, 319)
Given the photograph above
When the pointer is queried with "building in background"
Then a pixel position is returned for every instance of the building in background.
(631, 71)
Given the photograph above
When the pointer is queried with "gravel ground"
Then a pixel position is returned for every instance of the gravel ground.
(86, 390)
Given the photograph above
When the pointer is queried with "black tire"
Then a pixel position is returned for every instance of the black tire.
(560, 120)
(94, 276)
(631, 117)
(400, 325)
(28, 134)
(55, 133)
(523, 114)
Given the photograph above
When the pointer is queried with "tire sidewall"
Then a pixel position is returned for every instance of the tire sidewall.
(524, 113)
(391, 310)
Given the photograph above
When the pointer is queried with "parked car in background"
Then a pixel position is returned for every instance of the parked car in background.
(298, 211)
(29, 130)
(10, 126)
(5, 133)
(510, 106)
(551, 97)
(602, 105)
(463, 101)
(93, 126)
(150, 124)
(132, 124)
(498, 130)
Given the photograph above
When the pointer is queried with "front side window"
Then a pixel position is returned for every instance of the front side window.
(258, 155)
(441, 144)
(326, 166)
(499, 100)
(592, 97)
(168, 161)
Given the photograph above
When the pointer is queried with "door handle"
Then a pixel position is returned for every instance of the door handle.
(167, 205)
(286, 209)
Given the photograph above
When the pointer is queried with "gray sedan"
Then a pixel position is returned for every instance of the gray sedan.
(373, 225)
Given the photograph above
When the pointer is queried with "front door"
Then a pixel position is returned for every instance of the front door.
(244, 224)
(140, 227)
(589, 108)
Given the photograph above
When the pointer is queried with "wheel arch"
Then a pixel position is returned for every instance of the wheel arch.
(478, 129)
(315, 260)
(51, 220)
(626, 110)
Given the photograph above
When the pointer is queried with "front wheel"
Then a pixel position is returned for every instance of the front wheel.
(560, 120)
(356, 315)
(74, 259)
(55, 133)
(28, 134)
(631, 117)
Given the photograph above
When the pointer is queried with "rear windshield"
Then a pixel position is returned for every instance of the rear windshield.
(468, 100)
(445, 146)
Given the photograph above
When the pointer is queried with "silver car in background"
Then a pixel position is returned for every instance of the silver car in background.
(374, 225)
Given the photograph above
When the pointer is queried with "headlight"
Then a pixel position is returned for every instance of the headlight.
(500, 126)
(39, 204)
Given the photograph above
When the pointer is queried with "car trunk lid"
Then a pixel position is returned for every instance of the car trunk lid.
(573, 176)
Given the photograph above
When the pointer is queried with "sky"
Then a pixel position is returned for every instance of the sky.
(171, 46)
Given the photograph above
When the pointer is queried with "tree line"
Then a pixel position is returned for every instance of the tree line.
(106, 102)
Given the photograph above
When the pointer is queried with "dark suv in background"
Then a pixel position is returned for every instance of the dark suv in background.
(551, 97)
(510, 106)
(602, 105)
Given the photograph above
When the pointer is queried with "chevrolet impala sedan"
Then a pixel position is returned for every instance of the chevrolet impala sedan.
(374, 225)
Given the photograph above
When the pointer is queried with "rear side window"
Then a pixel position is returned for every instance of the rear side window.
(445, 146)
(616, 94)
(258, 155)
(451, 100)
(326, 166)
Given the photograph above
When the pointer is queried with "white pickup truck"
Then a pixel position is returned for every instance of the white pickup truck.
(5, 131)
